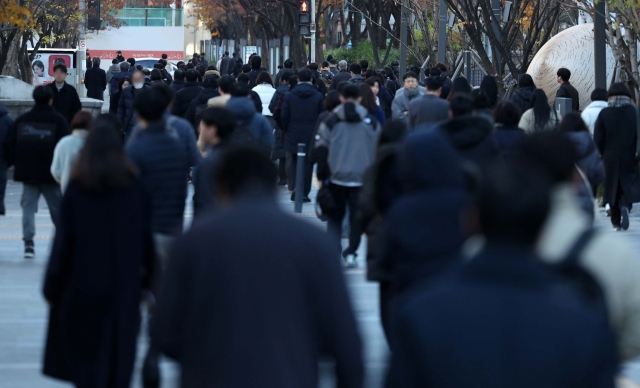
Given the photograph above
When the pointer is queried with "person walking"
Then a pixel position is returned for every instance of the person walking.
(303, 297)
(95, 80)
(539, 117)
(187, 94)
(124, 72)
(65, 97)
(401, 103)
(288, 68)
(592, 111)
(461, 85)
(318, 79)
(114, 100)
(490, 87)
(6, 126)
(119, 56)
(523, 95)
(209, 91)
(279, 153)
(343, 76)
(68, 148)
(345, 149)
(31, 145)
(507, 134)
(178, 80)
(467, 306)
(356, 74)
(251, 127)
(256, 63)
(113, 70)
(368, 101)
(567, 90)
(104, 236)
(430, 108)
(126, 106)
(300, 111)
(616, 138)
(589, 160)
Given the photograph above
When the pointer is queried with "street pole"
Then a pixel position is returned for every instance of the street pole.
(81, 51)
(497, 12)
(403, 40)
(313, 31)
(599, 49)
(442, 33)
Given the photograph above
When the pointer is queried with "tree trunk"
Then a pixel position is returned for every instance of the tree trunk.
(9, 58)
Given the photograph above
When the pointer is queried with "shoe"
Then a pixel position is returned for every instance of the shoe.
(351, 261)
(607, 210)
(29, 250)
(617, 229)
(306, 199)
(624, 215)
(282, 183)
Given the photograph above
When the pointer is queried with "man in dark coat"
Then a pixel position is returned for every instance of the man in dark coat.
(124, 72)
(178, 80)
(31, 143)
(126, 109)
(119, 56)
(567, 90)
(65, 97)
(6, 126)
(209, 91)
(343, 76)
(288, 68)
(430, 108)
(446, 81)
(226, 64)
(95, 80)
(256, 62)
(262, 318)
(187, 94)
(281, 89)
(300, 111)
(322, 88)
(486, 322)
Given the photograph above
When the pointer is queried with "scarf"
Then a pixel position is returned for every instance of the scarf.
(619, 101)
(411, 93)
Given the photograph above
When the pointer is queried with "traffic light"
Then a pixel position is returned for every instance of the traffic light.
(304, 17)
(93, 15)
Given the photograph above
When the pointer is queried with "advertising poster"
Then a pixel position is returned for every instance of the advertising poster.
(43, 64)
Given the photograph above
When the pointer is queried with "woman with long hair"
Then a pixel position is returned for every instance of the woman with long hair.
(68, 148)
(616, 138)
(368, 101)
(490, 87)
(459, 85)
(539, 116)
(522, 96)
(391, 82)
(102, 259)
(590, 162)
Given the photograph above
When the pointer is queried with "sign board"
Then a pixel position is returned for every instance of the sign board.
(248, 51)
(43, 64)
(82, 45)
(312, 27)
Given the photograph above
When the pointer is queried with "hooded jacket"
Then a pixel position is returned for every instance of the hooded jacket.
(300, 111)
(266, 93)
(591, 112)
(246, 115)
(184, 97)
(522, 98)
(113, 70)
(280, 91)
(201, 100)
(473, 137)
(350, 136)
(589, 160)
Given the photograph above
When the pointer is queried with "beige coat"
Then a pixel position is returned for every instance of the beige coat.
(609, 257)
(528, 122)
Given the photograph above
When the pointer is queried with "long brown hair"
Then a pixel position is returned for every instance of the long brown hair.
(368, 100)
(103, 165)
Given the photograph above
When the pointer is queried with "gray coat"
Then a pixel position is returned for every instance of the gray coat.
(429, 109)
(401, 104)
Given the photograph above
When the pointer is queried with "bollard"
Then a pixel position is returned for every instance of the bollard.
(299, 189)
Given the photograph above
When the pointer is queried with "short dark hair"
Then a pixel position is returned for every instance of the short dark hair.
(599, 94)
(82, 120)
(364, 64)
(42, 95)
(355, 68)
(226, 83)
(164, 56)
(115, 61)
(551, 152)
(60, 66)
(226, 53)
(178, 75)
(288, 63)
(507, 113)
(158, 65)
(192, 75)
(332, 100)
(190, 66)
(313, 66)
(212, 67)
(210, 81)
(264, 78)
(285, 76)
(240, 89)
(409, 74)
(222, 118)
(201, 69)
(350, 92)
(442, 67)
(325, 64)
(245, 171)
(513, 203)
(150, 104)
(132, 61)
(121, 82)
(434, 83)
(304, 75)
(427, 72)
(243, 78)
(435, 72)
(246, 68)
(293, 81)
(564, 73)
(256, 62)
(156, 75)
(165, 91)
(572, 122)
(138, 67)
(460, 105)
(619, 89)
(333, 61)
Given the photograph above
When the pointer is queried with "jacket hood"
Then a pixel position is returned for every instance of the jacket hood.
(114, 68)
(525, 93)
(303, 90)
(241, 106)
(351, 112)
(429, 148)
(3, 111)
(207, 94)
(582, 142)
(597, 105)
(467, 132)
(282, 89)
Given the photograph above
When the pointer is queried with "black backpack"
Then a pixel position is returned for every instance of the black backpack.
(243, 134)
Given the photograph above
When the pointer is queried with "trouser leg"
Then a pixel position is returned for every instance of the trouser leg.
(308, 175)
(282, 169)
(291, 170)
(335, 219)
(385, 298)
(53, 196)
(355, 233)
(29, 204)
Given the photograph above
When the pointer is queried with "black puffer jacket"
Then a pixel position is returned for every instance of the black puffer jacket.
(522, 98)
(473, 137)
(590, 161)
(280, 91)
(201, 100)
(126, 110)
(184, 97)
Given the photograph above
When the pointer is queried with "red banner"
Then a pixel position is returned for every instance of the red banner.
(110, 54)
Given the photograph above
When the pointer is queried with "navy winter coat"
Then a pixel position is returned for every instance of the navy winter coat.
(508, 138)
(246, 115)
(522, 98)
(126, 109)
(184, 97)
(300, 111)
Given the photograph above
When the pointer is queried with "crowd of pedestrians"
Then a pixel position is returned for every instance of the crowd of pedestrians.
(478, 211)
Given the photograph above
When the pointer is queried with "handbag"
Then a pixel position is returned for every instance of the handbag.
(325, 202)
(637, 133)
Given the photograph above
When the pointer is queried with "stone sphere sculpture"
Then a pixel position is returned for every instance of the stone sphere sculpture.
(573, 49)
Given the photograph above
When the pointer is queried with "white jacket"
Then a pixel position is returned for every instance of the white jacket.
(591, 112)
(266, 92)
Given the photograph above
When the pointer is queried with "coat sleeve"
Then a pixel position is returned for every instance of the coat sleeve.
(285, 114)
(525, 122)
(60, 265)
(385, 96)
(176, 109)
(56, 164)
(77, 105)
(122, 108)
(562, 92)
(396, 109)
(266, 132)
(599, 137)
(103, 80)
(274, 101)
(402, 371)
(321, 152)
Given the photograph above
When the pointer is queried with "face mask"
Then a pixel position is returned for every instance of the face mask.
(138, 85)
